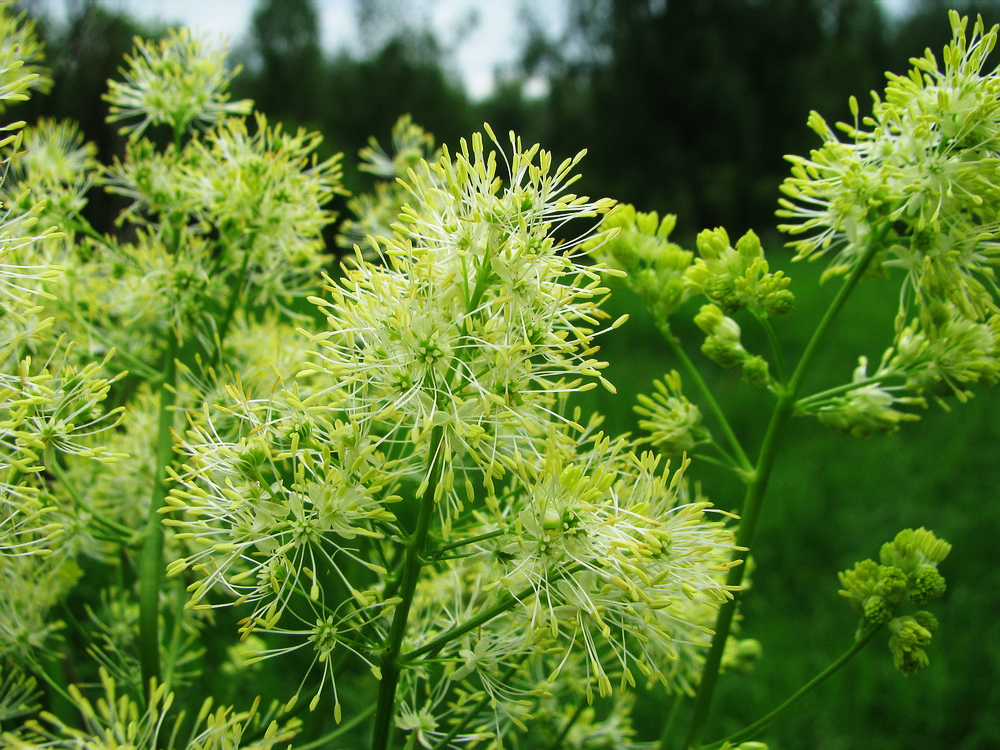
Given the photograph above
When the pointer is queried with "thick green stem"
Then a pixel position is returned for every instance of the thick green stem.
(151, 561)
(748, 732)
(391, 666)
(757, 487)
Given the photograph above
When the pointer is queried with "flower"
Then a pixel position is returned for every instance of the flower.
(178, 81)
(119, 720)
(476, 322)
(20, 57)
(56, 165)
(638, 244)
(923, 179)
(674, 423)
(739, 277)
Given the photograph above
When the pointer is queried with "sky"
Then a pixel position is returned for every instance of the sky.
(493, 40)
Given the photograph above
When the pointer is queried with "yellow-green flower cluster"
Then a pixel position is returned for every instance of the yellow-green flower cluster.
(21, 56)
(920, 183)
(638, 243)
(737, 278)
(600, 556)
(907, 572)
(672, 421)
(442, 374)
(118, 720)
(56, 164)
(179, 81)
(50, 403)
(867, 407)
(476, 322)
(927, 167)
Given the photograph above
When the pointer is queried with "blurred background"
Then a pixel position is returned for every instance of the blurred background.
(685, 107)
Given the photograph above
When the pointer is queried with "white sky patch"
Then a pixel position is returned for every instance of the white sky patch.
(479, 35)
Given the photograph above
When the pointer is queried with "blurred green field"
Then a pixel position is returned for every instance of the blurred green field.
(834, 500)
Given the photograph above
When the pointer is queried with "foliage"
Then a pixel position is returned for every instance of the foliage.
(386, 487)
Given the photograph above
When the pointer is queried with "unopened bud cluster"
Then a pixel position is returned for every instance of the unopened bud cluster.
(906, 573)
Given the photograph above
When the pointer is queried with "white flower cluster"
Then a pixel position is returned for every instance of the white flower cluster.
(442, 377)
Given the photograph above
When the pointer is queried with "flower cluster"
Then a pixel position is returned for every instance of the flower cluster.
(376, 213)
(477, 321)
(20, 57)
(442, 374)
(600, 570)
(672, 421)
(738, 277)
(907, 572)
(638, 243)
(118, 720)
(180, 81)
(917, 189)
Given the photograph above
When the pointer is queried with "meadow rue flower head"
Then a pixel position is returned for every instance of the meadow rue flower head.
(20, 57)
(638, 244)
(376, 213)
(179, 81)
(478, 319)
(906, 573)
(924, 169)
(674, 423)
(738, 277)
(942, 351)
(870, 408)
(910, 636)
(118, 720)
(55, 164)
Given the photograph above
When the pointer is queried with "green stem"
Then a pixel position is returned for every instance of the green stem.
(691, 372)
(748, 732)
(440, 553)
(151, 561)
(391, 665)
(505, 603)
(772, 341)
(757, 487)
(234, 298)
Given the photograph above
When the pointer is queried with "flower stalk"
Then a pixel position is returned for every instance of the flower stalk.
(757, 488)
(390, 666)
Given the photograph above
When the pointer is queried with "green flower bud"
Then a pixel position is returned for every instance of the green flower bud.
(927, 583)
(907, 643)
(913, 547)
(712, 243)
(877, 610)
(892, 585)
(755, 371)
(858, 583)
(722, 345)
(926, 620)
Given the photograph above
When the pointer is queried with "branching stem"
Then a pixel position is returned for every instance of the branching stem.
(757, 486)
